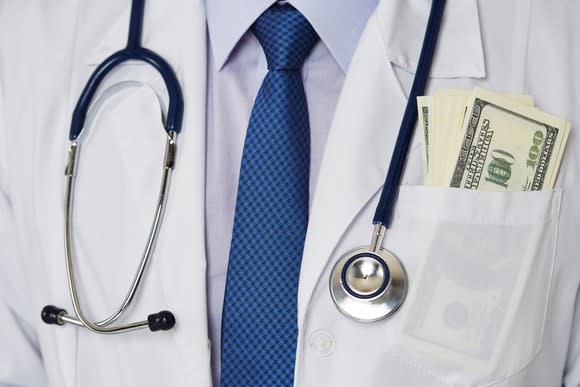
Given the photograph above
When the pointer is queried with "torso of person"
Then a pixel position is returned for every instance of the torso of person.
(494, 276)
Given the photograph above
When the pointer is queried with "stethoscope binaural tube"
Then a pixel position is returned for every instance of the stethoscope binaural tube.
(163, 320)
(370, 283)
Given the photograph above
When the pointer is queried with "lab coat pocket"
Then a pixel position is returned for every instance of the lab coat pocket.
(477, 302)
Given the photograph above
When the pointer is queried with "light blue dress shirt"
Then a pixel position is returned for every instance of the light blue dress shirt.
(236, 68)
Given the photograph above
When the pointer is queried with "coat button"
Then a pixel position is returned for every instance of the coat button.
(322, 342)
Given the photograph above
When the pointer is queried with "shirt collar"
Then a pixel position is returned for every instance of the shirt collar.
(339, 23)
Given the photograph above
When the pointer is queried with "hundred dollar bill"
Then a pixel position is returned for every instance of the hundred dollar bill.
(440, 122)
(423, 106)
(506, 146)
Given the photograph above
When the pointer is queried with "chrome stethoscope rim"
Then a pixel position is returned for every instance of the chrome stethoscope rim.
(377, 302)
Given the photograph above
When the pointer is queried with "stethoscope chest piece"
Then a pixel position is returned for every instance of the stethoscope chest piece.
(368, 284)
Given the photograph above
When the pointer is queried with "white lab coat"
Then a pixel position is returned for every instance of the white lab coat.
(494, 276)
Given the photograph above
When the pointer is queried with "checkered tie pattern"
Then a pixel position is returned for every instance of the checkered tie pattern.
(259, 327)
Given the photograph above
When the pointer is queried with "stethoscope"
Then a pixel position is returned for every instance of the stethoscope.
(163, 320)
(370, 283)
(366, 284)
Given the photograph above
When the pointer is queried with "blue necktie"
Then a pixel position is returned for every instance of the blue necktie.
(259, 328)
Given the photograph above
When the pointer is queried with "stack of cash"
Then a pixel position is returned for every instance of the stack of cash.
(478, 139)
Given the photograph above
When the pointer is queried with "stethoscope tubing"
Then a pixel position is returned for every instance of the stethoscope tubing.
(384, 212)
(133, 51)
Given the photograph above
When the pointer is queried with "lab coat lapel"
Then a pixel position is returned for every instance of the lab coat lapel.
(368, 116)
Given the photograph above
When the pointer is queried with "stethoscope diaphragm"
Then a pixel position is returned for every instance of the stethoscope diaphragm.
(368, 285)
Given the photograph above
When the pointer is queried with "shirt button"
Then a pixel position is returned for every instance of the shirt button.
(322, 342)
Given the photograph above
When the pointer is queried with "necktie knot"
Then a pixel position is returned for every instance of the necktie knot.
(285, 35)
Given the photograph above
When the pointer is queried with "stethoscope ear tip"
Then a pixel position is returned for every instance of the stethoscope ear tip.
(51, 314)
(162, 321)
